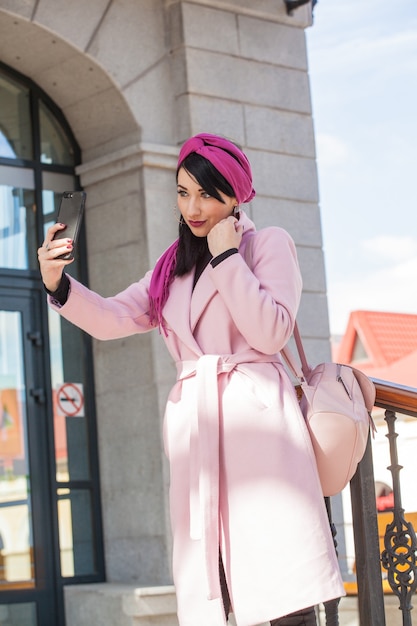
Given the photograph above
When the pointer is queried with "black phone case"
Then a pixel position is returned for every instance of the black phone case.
(70, 213)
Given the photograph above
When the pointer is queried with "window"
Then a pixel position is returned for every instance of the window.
(46, 388)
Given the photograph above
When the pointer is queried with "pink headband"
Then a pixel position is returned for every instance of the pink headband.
(227, 158)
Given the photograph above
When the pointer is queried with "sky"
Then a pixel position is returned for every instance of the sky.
(362, 58)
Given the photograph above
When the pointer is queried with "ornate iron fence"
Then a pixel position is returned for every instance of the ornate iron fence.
(399, 556)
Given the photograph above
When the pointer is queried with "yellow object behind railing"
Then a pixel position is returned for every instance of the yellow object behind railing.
(384, 519)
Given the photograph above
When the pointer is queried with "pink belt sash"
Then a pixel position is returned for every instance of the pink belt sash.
(204, 453)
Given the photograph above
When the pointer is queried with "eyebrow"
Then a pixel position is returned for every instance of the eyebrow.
(186, 189)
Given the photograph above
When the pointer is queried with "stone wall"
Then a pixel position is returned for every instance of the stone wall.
(134, 78)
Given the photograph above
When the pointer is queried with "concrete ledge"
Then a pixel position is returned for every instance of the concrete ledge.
(108, 604)
(111, 604)
(349, 615)
(151, 602)
(129, 158)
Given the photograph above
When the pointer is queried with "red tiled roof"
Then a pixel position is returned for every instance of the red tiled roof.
(386, 337)
(403, 371)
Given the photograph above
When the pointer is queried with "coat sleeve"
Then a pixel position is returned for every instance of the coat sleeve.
(125, 314)
(263, 293)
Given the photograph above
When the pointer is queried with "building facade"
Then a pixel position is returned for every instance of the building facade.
(101, 95)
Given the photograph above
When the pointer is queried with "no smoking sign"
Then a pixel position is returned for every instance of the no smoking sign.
(70, 400)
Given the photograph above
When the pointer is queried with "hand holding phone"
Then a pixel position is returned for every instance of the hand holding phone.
(70, 213)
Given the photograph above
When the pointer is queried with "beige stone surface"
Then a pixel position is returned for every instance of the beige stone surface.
(156, 606)
(130, 39)
(24, 8)
(273, 10)
(274, 43)
(150, 97)
(225, 25)
(122, 605)
(288, 132)
(300, 219)
(246, 80)
(312, 269)
(75, 21)
(100, 118)
(197, 113)
(284, 176)
(72, 79)
(28, 47)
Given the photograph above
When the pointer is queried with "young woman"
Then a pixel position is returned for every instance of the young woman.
(250, 529)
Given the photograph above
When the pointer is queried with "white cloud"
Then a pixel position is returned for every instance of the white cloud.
(363, 32)
(369, 50)
(391, 248)
(392, 288)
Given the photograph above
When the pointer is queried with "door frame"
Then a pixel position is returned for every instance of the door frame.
(28, 283)
(24, 295)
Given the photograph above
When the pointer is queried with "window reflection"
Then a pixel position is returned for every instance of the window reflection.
(16, 554)
(6, 148)
(17, 228)
(70, 427)
(22, 614)
(75, 532)
(55, 145)
(15, 127)
(70, 418)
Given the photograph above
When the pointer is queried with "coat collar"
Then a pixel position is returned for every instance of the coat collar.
(177, 310)
(203, 292)
(185, 307)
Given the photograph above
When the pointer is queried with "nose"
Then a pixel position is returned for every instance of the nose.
(193, 208)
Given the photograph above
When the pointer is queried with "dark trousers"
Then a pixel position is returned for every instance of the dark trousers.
(306, 617)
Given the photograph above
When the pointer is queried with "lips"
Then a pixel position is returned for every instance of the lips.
(196, 224)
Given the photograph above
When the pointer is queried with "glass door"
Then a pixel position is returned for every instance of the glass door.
(26, 558)
(50, 516)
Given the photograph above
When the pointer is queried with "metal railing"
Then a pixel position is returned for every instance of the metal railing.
(400, 544)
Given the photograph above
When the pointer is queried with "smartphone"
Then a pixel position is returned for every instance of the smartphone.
(70, 213)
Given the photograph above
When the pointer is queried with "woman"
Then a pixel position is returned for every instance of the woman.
(244, 483)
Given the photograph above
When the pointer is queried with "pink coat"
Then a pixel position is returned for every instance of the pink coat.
(243, 474)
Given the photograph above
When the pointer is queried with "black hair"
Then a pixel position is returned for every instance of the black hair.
(209, 177)
(192, 249)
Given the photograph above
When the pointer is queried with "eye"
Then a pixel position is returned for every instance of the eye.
(204, 194)
(182, 193)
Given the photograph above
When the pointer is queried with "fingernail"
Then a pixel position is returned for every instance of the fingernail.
(69, 246)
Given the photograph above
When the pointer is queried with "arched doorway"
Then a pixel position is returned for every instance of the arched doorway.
(50, 521)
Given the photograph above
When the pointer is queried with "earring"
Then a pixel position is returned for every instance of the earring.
(178, 217)
(236, 212)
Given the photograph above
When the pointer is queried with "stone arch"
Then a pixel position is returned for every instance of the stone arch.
(125, 181)
(90, 100)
